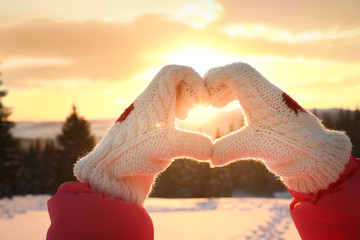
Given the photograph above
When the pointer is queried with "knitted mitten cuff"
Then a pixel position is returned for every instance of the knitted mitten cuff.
(144, 140)
(291, 141)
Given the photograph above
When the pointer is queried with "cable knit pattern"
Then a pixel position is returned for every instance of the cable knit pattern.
(291, 141)
(144, 140)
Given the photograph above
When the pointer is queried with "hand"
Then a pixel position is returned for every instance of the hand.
(143, 141)
(291, 141)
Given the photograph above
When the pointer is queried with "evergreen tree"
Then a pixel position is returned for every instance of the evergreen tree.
(184, 178)
(50, 158)
(254, 178)
(220, 182)
(9, 151)
(39, 168)
(74, 141)
(32, 169)
(328, 121)
(348, 121)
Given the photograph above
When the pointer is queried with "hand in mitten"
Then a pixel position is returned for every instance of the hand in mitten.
(291, 141)
(144, 140)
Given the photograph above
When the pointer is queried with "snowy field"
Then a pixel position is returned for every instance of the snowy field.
(210, 219)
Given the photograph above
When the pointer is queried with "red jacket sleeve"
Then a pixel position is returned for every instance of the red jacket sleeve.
(78, 212)
(333, 213)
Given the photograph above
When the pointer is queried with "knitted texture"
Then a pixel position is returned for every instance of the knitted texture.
(291, 141)
(144, 140)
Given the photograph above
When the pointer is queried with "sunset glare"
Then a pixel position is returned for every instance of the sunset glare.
(200, 58)
(202, 114)
(101, 55)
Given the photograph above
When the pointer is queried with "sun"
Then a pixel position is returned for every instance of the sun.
(210, 120)
(204, 115)
(201, 114)
(201, 58)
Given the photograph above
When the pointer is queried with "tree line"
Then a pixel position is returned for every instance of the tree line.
(46, 164)
(346, 121)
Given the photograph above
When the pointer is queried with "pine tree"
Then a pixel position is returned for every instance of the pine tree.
(184, 178)
(220, 182)
(9, 151)
(32, 169)
(50, 159)
(74, 142)
(328, 121)
(39, 168)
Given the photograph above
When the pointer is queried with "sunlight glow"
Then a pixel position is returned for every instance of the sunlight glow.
(201, 114)
(146, 75)
(213, 121)
(199, 57)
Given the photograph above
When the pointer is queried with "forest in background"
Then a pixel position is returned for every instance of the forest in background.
(42, 167)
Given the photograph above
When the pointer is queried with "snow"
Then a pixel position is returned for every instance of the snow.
(224, 218)
(24, 217)
(212, 219)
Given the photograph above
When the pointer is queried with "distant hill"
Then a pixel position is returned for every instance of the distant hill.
(333, 112)
(49, 130)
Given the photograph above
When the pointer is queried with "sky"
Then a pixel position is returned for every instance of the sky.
(101, 54)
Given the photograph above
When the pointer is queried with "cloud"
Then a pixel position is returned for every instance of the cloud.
(281, 35)
(306, 15)
(298, 16)
(17, 11)
(117, 51)
(80, 49)
(93, 49)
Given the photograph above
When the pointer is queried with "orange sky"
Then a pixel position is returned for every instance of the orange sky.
(102, 54)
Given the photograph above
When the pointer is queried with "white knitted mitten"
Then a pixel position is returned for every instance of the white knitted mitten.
(144, 140)
(291, 141)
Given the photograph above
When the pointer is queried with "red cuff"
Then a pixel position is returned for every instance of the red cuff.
(350, 168)
(332, 213)
(78, 212)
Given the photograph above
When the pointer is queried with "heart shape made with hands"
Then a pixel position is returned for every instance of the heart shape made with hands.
(267, 109)
(269, 112)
